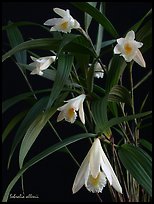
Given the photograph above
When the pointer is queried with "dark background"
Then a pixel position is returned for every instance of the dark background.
(52, 178)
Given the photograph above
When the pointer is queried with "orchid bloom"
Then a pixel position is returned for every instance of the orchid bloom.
(94, 170)
(41, 64)
(64, 24)
(128, 48)
(68, 111)
(98, 71)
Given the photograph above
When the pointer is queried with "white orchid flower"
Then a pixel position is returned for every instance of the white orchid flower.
(64, 24)
(128, 48)
(98, 71)
(68, 111)
(94, 170)
(41, 64)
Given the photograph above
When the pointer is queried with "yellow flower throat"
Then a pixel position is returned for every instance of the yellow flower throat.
(128, 48)
(64, 25)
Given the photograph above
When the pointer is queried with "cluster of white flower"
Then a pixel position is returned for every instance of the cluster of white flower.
(95, 168)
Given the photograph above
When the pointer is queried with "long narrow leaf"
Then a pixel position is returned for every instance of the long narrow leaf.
(43, 155)
(64, 67)
(118, 120)
(14, 121)
(139, 164)
(15, 38)
(88, 18)
(16, 99)
(28, 120)
(116, 68)
(99, 110)
(119, 93)
(98, 16)
(49, 44)
(139, 23)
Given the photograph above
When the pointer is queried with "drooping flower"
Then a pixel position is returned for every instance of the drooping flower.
(95, 170)
(128, 48)
(68, 111)
(41, 64)
(64, 24)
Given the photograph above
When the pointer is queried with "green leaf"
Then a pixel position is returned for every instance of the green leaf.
(88, 18)
(51, 44)
(16, 99)
(119, 93)
(32, 133)
(99, 110)
(146, 144)
(38, 107)
(118, 120)
(99, 33)
(139, 164)
(65, 41)
(35, 128)
(145, 35)
(43, 155)
(65, 62)
(107, 43)
(15, 38)
(14, 121)
(24, 23)
(143, 80)
(116, 68)
(139, 23)
(98, 16)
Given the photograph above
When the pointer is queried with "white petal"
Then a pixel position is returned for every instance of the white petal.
(139, 59)
(33, 64)
(115, 182)
(117, 49)
(70, 118)
(82, 174)
(121, 41)
(138, 44)
(96, 185)
(45, 64)
(99, 74)
(95, 158)
(106, 171)
(128, 58)
(130, 35)
(60, 116)
(54, 29)
(60, 12)
(52, 22)
(33, 58)
(76, 24)
(75, 102)
(65, 106)
(37, 71)
(81, 113)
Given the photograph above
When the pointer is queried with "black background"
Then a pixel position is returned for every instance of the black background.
(52, 178)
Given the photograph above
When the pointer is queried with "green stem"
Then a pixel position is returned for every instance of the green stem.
(136, 135)
(56, 133)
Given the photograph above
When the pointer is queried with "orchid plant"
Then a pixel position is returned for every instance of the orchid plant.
(88, 94)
